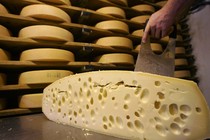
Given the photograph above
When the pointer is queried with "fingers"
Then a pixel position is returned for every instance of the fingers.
(146, 33)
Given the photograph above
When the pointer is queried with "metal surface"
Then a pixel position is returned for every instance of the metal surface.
(38, 127)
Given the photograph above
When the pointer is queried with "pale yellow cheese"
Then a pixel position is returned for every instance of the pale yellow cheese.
(115, 41)
(3, 9)
(47, 55)
(130, 105)
(182, 74)
(116, 58)
(139, 32)
(3, 103)
(45, 12)
(4, 32)
(2, 79)
(113, 25)
(181, 62)
(140, 19)
(4, 55)
(46, 33)
(180, 50)
(62, 2)
(30, 101)
(156, 47)
(42, 76)
(113, 11)
(144, 8)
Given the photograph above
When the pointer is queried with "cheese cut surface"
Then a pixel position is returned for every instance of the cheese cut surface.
(62, 2)
(113, 25)
(131, 105)
(42, 76)
(140, 19)
(2, 79)
(4, 32)
(113, 11)
(30, 101)
(46, 33)
(45, 12)
(116, 58)
(47, 55)
(3, 9)
(4, 55)
(115, 41)
(144, 8)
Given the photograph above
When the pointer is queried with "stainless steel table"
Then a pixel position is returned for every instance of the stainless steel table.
(38, 127)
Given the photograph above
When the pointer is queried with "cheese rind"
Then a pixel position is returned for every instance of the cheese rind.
(4, 32)
(3, 9)
(4, 55)
(113, 11)
(47, 55)
(45, 12)
(63, 2)
(140, 19)
(139, 32)
(42, 76)
(181, 62)
(144, 8)
(120, 2)
(30, 101)
(156, 47)
(182, 74)
(131, 105)
(46, 33)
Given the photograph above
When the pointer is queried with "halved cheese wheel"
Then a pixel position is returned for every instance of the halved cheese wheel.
(113, 11)
(62, 2)
(180, 50)
(4, 55)
(45, 12)
(156, 47)
(161, 3)
(140, 19)
(144, 8)
(4, 32)
(2, 79)
(46, 33)
(116, 58)
(47, 55)
(3, 9)
(181, 62)
(2, 103)
(42, 76)
(182, 74)
(120, 2)
(30, 101)
(138, 33)
(115, 41)
(113, 25)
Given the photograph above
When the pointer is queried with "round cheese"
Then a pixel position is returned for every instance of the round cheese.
(140, 19)
(179, 38)
(30, 101)
(144, 8)
(4, 55)
(115, 41)
(181, 62)
(113, 11)
(180, 50)
(161, 3)
(2, 79)
(3, 9)
(2, 103)
(113, 25)
(46, 33)
(4, 32)
(165, 39)
(138, 33)
(47, 55)
(42, 76)
(156, 47)
(45, 12)
(116, 58)
(62, 2)
(120, 2)
(182, 74)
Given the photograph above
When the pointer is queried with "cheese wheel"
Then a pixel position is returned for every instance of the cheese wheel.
(115, 41)
(140, 19)
(113, 25)
(165, 39)
(4, 55)
(161, 3)
(179, 38)
(30, 101)
(47, 55)
(3, 9)
(120, 2)
(45, 12)
(116, 58)
(42, 76)
(2, 103)
(182, 74)
(129, 105)
(144, 8)
(180, 50)
(2, 79)
(46, 33)
(113, 11)
(156, 47)
(60, 2)
(138, 33)
(4, 32)
(181, 62)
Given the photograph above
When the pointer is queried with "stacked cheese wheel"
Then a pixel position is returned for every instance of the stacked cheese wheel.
(120, 2)
(3, 9)
(140, 19)
(58, 2)
(144, 8)
(4, 32)
(30, 100)
(156, 47)
(112, 11)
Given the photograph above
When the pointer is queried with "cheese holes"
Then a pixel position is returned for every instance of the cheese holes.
(161, 130)
(186, 109)
(119, 122)
(139, 126)
(175, 128)
(173, 109)
(161, 96)
(144, 97)
(198, 109)
(157, 83)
